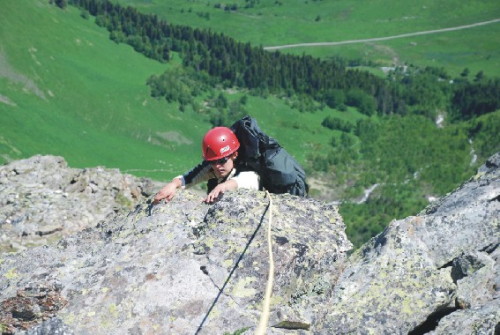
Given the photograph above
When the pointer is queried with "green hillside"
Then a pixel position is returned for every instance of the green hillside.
(275, 23)
(67, 89)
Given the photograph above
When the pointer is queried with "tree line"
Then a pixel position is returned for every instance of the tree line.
(239, 64)
(236, 64)
(408, 158)
(404, 155)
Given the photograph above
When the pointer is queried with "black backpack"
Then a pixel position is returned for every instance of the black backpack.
(278, 170)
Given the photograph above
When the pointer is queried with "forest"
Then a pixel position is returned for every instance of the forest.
(234, 64)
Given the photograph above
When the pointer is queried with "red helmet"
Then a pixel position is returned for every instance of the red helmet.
(219, 142)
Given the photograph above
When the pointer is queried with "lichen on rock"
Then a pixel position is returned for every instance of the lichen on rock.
(185, 267)
(42, 199)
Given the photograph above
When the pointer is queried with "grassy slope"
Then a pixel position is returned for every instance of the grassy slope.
(87, 100)
(269, 24)
(66, 89)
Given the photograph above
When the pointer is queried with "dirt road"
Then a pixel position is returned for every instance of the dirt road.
(427, 32)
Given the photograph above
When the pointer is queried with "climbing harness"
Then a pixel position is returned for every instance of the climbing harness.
(267, 298)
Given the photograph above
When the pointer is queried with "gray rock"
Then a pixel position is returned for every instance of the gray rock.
(161, 271)
(483, 320)
(476, 277)
(42, 199)
(423, 268)
(53, 326)
(190, 268)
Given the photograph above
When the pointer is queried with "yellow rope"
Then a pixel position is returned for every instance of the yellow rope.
(264, 318)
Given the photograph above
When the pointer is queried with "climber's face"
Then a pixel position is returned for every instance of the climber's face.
(223, 167)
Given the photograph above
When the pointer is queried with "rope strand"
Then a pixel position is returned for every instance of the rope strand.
(232, 271)
(264, 318)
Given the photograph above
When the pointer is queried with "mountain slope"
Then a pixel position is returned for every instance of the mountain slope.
(271, 23)
(185, 267)
(67, 89)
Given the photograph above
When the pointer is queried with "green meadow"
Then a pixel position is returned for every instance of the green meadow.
(73, 93)
(66, 89)
(274, 23)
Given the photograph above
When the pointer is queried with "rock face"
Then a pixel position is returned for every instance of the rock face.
(439, 268)
(41, 199)
(159, 272)
(190, 268)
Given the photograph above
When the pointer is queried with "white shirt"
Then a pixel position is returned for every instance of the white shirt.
(245, 179)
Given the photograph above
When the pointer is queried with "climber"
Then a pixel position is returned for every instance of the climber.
(220, 168)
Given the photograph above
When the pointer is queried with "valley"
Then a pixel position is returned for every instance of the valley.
(71, 87)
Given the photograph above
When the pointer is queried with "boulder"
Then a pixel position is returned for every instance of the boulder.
(441, 263)
(42, 199)
(185, 267)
